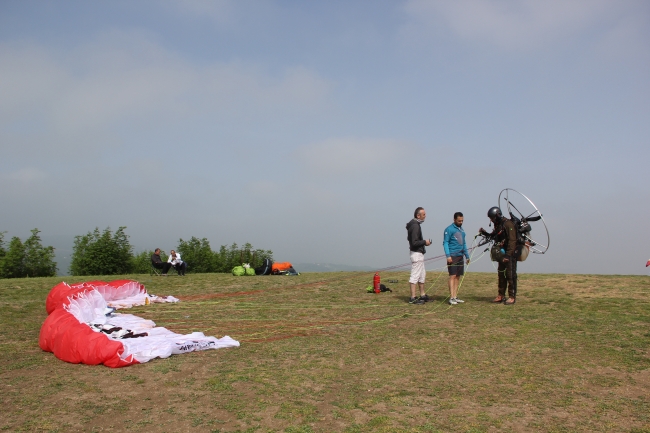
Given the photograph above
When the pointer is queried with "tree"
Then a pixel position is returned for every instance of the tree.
(260, 255)
(2, 246)
(3, 253)
(29, 259)
(39, 260)
(142, 262)
(197, 254)
(200, 257)
(229, 257)
(13, 264)
(102, 253)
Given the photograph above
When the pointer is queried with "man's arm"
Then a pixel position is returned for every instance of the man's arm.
(445, 242)
(413, 231)
(484, 232)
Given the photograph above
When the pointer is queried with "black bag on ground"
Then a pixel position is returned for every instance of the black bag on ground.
(265, 268)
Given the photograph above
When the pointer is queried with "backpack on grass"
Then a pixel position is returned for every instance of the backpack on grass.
(265, 268)
(239, 271)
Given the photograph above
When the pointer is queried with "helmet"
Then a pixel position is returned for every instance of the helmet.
(494, 213)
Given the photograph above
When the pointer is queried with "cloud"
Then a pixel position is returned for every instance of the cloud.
(79, 102)
(261, 189)
(513, 25)
(220, 11)
(354, 156)
(237, 87)
(25, 176)
(627, 38)
(29, 77)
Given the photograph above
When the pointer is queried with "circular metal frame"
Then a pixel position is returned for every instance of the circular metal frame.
(506, 194)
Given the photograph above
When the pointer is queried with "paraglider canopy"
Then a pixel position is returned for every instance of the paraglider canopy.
(647, 264)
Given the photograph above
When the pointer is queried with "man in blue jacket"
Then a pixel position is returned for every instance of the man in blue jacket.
(456, 251)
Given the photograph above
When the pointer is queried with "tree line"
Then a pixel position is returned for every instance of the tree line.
(26, 259)
(110, 253)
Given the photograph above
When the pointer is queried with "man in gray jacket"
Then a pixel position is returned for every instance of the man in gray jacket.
(416, 245)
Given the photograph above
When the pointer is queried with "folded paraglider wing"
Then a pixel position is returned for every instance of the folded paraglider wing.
(82, 326)
(75, 342)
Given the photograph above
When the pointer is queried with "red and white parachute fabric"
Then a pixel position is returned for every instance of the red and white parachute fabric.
(82, 326)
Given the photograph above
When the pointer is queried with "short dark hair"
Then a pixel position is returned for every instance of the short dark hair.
(417, 211)
(156, 250)
(457, 214)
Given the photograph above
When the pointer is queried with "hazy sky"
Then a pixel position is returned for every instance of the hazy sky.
(314, 129)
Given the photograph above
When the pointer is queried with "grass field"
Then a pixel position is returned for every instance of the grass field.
(318, 354)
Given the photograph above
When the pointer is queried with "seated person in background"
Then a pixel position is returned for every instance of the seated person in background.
(157, 263)
(175, 261)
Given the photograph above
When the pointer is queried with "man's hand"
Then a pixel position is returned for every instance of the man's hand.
(449, 260)
(468, 262)
(505, 260)
(427, 243)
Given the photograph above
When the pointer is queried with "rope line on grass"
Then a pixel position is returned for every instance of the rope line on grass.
(272, 330)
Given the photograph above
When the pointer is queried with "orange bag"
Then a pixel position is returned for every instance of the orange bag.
(277, 267)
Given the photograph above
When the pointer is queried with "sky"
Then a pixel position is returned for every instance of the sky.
(314, 129)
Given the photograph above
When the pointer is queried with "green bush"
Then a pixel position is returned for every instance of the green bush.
(142, 262)
(13, 263)
(29, 259)
(229, 257)
(3, 252)
(197, 254)
(200, 258)
(102, 253)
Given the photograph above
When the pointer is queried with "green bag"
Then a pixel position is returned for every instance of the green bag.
(238, 271)
(250, 271)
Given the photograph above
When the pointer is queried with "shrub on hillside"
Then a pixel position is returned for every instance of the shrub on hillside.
(229, 257)
(104, 253)
(142, 262)
(200, 258)
(197, 254)
(28, 259)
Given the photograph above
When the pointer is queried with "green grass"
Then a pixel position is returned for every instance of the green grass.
(318, 354)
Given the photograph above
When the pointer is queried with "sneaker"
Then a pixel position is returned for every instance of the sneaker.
(459, 301)
(499, 299)
(510, 301)
(452, 301)
(425, 298)
(416, 301)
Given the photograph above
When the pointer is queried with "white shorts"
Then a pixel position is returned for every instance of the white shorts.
(418, 273)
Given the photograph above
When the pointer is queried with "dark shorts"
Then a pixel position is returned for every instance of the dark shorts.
(457, 266)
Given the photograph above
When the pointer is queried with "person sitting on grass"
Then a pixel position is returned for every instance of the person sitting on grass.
(157, 262)
(175, 261)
